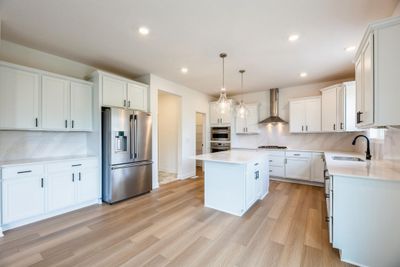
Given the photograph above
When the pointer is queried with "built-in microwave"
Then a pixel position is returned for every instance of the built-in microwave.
(220, 133)
(218, 147)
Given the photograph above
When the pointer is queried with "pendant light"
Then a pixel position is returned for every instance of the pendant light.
(223, 104)
(242, 110)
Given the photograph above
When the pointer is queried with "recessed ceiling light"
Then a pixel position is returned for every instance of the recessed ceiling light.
(184, 70)
(144, 31)
(350, 48)
(303, 74)
(293, 37)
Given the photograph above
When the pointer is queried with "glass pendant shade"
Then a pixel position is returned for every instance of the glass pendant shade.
(223, 104)
(241, 110)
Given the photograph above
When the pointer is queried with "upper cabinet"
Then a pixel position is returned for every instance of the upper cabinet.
(32, 99)
(120, 92)
(249, 124)
(305, 115)
(217, 118)
(377, 65)
(19, 98)
(338, 108)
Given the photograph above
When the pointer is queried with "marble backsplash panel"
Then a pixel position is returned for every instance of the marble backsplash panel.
(279, 135)
(389, 147)
(16, 145)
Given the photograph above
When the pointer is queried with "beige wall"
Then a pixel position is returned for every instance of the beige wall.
(396, 11)
(168, 131)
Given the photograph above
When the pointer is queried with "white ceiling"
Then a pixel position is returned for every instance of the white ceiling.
(190, 33)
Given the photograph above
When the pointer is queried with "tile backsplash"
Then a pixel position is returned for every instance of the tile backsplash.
(389, 147)
(16, 145)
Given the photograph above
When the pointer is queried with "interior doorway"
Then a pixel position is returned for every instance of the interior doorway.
(200, 139)
(169, 114)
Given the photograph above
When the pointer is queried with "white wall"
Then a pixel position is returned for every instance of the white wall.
(168, 131)
(191, 102)
(279, 135)
(16, 145)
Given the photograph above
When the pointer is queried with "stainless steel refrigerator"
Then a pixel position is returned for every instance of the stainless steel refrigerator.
(126, 149)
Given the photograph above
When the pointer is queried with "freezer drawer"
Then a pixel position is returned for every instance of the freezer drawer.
(127, 180)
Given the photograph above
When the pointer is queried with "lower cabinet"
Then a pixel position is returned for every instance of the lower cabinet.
(300, 165)
(23, 197)
(33, 192)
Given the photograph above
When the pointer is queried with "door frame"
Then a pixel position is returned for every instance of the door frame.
(204, 132)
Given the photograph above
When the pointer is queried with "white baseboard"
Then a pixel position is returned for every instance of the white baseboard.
(186, 175)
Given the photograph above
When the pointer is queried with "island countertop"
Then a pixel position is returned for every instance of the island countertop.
(234, 156)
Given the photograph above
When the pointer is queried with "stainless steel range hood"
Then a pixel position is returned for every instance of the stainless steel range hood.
(273, 104)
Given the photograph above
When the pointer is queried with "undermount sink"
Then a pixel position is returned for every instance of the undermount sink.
(347, 158)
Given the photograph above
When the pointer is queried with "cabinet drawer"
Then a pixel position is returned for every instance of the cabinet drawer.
(277, 171)
(276, 161)
(298, 154)
(71, 164)
(23, 171)
(274, 153)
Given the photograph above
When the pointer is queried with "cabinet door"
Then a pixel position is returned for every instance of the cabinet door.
(313, 115)
(81, 107)
(114, 92)
(298, 168)
(137, 97)
(23, 198)
(297, 116)
(252, 119)
(87, 185)
(368, 83)
(359, 88)
(317, 167)
(226, 116)
(214, 116)
(61, 190)
(19, 98)
(340, 109)
(250, 186)
(329, 112)
(240, 125)
(55, 103)
(350, 106)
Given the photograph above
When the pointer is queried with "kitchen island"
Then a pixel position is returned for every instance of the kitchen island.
(234, 180)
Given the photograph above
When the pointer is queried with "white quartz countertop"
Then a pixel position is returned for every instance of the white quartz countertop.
(235, 156)
(19, 162)
(388, 170)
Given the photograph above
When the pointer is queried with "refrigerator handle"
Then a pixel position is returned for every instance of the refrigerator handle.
(131, 149)
(136, 137)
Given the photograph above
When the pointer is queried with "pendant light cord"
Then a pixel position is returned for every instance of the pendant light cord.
(223, 73)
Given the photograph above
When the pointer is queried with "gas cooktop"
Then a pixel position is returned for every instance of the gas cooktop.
(272, 147)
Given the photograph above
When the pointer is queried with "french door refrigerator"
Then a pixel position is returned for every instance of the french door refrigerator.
(126, 150)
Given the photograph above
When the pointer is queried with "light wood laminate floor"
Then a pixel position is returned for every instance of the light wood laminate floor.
(170, 227)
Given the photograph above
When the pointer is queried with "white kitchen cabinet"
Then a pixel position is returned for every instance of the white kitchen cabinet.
(55, 103)
(19, 98)
(329, 106)
(377, 65)
(114, 92)
(32, 99)
(251, 182)
(23, 197)
(298, 165)
(249, 124)
(317, 167)
(217, 118)
(81, 107)
(31, 192)
(137, 96)
(305, 115)
(87, 184)
(61, 189)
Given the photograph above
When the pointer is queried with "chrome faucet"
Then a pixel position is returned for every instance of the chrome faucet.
(368, 152)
